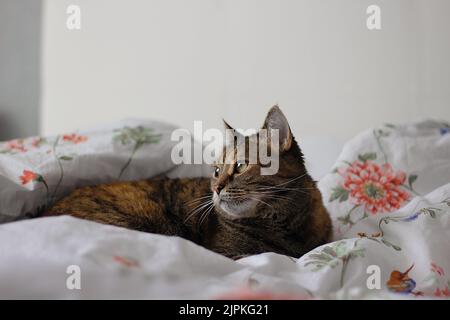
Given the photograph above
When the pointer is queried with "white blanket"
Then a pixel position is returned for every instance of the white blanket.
(389, 198)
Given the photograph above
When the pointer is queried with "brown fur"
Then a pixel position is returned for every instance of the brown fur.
(290, 219)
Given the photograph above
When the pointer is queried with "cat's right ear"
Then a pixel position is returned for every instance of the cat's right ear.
(276, 120)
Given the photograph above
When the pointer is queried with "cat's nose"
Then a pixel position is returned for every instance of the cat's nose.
(217, 188)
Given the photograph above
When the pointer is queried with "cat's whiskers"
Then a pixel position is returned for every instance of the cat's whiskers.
(269, 192)
(247, 195)
(291, 180)
(263, 202)
(198, 199)
(280, 191)
(266, 187)
(270, 195)
(280, 187)
(206, 213)
(202, 206)
(241, 195)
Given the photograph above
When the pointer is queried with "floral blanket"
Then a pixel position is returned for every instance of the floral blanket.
(388, 195)
(37, 170)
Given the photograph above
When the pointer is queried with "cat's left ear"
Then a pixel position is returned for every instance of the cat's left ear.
(275, 119)
(231, 134)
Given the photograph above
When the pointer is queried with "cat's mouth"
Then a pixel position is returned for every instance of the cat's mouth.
(235, 208)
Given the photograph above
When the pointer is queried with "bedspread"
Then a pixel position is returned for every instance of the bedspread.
(388, 195)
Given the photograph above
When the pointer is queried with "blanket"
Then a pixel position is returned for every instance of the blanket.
(388, 195)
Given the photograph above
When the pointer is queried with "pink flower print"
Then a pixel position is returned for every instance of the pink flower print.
(437, 269)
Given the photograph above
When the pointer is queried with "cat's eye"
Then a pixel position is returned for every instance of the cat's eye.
(240, 167)
(216, 171)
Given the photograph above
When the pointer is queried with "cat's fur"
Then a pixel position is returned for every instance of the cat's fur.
(254, 213)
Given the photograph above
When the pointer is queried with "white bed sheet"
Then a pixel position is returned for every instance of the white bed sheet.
(119, 263)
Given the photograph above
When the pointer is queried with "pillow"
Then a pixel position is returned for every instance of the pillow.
(383, 169)
(35, 171)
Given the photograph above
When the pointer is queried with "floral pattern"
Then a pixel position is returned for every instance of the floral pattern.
(437, 269)
(337, 253)
(74, 138)
(29, 176)
(137, 137)
(401, 282)
(369, 190)
(249, 294)
(377, 188)
(372, 188)
(445, 292)
(18, 146)
(53, 147)
(437, 278)
(373, 193)
(380, 236)
(343, 252)
(126, 261)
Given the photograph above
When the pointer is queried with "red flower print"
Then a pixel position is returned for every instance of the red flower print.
(28, 176)
(74, 138)
(247, 294)
(37, 142)
(446, 292)
(442, 293)
(16, 145)
(127, 262)
(374, 186)
(437, 269)
(437, 292)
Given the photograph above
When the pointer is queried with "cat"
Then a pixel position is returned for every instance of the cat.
(237, 212)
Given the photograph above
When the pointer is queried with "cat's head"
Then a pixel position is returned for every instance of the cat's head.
(239, 188)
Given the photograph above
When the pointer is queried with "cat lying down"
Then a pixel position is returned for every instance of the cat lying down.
(237, 212)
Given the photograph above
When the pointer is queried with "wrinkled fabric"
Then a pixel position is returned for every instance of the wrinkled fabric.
(388, 196)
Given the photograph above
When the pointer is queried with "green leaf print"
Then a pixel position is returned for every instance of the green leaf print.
(339, 193)
(389, 244)
(411, 179)
(138, 136)
(367, 156)
(334, 254)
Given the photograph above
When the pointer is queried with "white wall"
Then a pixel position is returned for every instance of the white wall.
(181, 60)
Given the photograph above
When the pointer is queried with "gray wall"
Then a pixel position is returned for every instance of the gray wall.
(20, 25)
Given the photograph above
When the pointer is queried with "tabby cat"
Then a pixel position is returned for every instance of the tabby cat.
(237, 212)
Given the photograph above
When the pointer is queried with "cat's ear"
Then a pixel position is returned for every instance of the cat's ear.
(231, 134)
(275, 119)
(226, 125)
